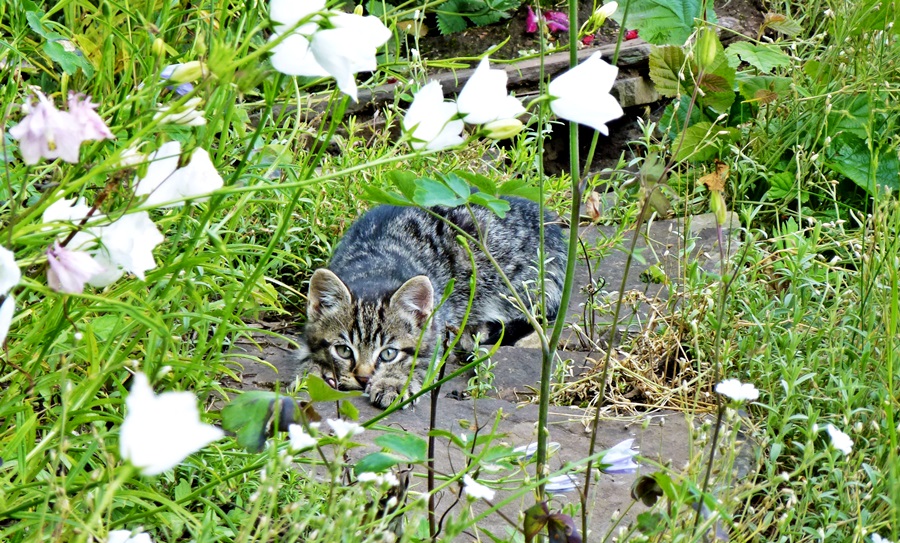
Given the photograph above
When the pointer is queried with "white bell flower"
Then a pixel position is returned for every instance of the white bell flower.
(160, 431)
(476, 490)
(431, 121)
(484, 97)
(125, 245)
(581, 95)
(168, 186)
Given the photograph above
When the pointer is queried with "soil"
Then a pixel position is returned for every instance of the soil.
(741, 16)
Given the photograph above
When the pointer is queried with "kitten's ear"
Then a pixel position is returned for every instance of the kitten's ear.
(414, 299)
(327, 293)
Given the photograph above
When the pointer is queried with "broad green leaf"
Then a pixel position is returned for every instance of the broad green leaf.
(781, 185)
(764, 89)
(702, 139)
(409, 446)
(781, 23)
(497, 205)
(320, 391)
(376, 463)
(35, 23)
(457, 184)
(449, 19)
(717, 82)
(69, 61)
(520, 188)
(381, 196)
(850, 156)
(481, 182)
(666, 62)
(404, 180)
(348, 410)
(662, 22)
(434, 193)
(536, 518)
(764, 57)
(673, 120)
(247, 416)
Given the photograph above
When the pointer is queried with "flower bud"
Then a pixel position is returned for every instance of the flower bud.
(159, 47)
(717, 206)
(189, 71)
(358, 10)
(603, 13)
(502, 128)
(706, 47)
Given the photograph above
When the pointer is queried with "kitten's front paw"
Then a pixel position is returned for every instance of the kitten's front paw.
(383, 392)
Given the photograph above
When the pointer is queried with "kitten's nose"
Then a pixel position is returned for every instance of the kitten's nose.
(362, 379)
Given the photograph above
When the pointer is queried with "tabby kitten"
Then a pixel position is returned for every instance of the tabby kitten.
(368, 310)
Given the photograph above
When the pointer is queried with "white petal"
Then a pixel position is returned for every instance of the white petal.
(124, 536)
(484, 97)
(293, 57)
(299, 438)
(7, 309)
(160, 431)
(340, 58)
(476, 489)
(163, 163)
(581, 95)
(10, 274)
(128, 243)
(428, 120)
(67, 210)
(287, 13)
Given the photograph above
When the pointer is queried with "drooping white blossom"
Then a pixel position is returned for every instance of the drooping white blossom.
(168, 186)
(581, 95)
(125, 245)
(299, 438)
(620, 458)
(431, 122)
(160, 431)
(484, 97)
(343, 428)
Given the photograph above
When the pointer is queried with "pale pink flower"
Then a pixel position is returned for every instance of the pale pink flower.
(47, 132)
(92, 126)
(70, 270)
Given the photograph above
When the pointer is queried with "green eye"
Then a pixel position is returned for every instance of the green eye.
(344, 351)
(388, 355)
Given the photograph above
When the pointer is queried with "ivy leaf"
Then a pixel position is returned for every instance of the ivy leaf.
(662, 22)
(666, 62)
(764, 57)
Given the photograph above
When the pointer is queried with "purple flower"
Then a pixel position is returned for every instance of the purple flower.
(181, 89)
(70, 270)
(557, 21)
(47, 132)
(531, 22)
(619, 458)
(92, 126)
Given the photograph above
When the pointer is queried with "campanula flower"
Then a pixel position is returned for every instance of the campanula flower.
(484, 97)
(343, 429)
(476, 490)
(619, 459)
(90, 124)
(70, 270)
(47, 132)
(431, 121)
(328, 44)
(582, 95)
(840, 440)
(160, 431)
(186, 114)
(167, 185)
(125, 245)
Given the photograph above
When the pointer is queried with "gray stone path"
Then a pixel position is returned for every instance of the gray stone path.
(517, 375)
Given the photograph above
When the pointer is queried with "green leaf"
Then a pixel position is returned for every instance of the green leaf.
(536, 518)
(381, 196)
(481, 182)
(666, 62)
(409, 446)
(320, 391)
(69, 61)
(781, 185)
(520, 188)
(498, 206)
(717, 82)
(448, 19)
(764, 89)
(702, 139)
(674, 120)
(781, 23)
(376, 463)
(35, 23)
(663, 22)
(764, 57)
(404, 180)
(348, 410)
(247, 416)
(434, 193)
(850, 156)
(457, 184)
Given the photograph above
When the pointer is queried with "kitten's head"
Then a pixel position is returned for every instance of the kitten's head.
(348, 340)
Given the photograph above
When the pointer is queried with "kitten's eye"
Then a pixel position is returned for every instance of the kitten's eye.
(344, 351)
(388, 355)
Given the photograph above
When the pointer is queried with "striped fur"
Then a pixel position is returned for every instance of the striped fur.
(369, 314)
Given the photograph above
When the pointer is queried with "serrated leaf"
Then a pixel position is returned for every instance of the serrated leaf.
(320, 391)
(764, 89)
(404, 180)
(666, 63)
(781, 185)
(714, 83)
(457, 184)
(782, 23)
(448, 21)
(498, 206)
(376, 463)
(701, 141)
(409, 446)
(764, 57)
(850, 156)
(434, 193)
(721, 98)
(662, 22)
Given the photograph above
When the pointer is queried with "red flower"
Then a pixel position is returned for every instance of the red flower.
(631, 34)
(587, 40)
